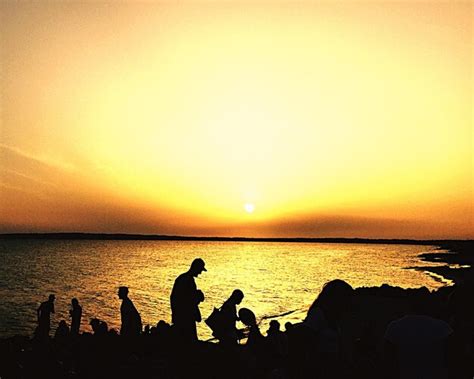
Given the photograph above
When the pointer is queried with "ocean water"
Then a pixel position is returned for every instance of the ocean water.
(276, 278)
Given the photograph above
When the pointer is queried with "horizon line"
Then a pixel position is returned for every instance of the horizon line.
(166, 237)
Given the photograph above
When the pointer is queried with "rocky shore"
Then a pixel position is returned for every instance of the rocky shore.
(458, 257)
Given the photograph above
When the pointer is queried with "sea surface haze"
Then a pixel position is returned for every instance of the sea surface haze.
(276, 278)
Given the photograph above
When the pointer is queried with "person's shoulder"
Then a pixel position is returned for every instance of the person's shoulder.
(316, 319)
(182, 277)
(227, 307)
(392, 332)
(442, 327)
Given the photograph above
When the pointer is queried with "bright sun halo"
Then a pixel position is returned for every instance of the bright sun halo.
(249, 208)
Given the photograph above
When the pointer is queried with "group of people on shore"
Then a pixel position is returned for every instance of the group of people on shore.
(44, 312)
(418, 344)
(185, 313)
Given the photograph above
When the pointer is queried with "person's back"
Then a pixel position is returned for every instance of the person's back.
(45, 310)
(131, 320)
(44, 316)
(228, 318)
(76, 315)
(321, 353)
(419, 343)
(183, 307)
(184, 301)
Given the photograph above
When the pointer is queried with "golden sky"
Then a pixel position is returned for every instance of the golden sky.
(236, 118)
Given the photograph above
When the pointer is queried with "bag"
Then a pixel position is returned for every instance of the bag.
(214, 321)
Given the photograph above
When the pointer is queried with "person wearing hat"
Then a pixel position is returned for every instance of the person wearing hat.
(44, 317)
(185, 299)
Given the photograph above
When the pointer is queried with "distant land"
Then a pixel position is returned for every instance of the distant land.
(159, 237)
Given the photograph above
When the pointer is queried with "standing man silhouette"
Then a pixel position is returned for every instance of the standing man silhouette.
(44, 317)
(76, 315)
(185, 299)
(131, 320)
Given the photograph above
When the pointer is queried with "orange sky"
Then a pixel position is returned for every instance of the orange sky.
(330, 119)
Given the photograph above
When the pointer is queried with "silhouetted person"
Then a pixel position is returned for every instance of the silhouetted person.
(277, 346)
(416, 346)
(254, 352)
(76, 315)
(131, 320)
(255, 337)
(315, 345)
(44, 317)
(100, 328)
(277, 339)
(185, 299)
(228, 333)
(62, 332)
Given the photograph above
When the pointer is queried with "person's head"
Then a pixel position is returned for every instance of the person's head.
(274, 326)
(247, 317)
(123, 292)
(103, 327)
(51, 298)
(74, 302)
(237, 296)
(62, 324)
(162, 327)
(420, 302)
(288, 325)
(334, 299)
(95, 323)
(197, 266)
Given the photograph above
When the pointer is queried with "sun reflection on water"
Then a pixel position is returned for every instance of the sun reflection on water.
(275, 277)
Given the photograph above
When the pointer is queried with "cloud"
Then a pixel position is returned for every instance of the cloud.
(10, 155)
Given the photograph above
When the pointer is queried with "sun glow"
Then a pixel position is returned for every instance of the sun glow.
(249, 208)
(176, 115)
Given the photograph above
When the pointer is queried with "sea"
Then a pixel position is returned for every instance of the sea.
(279, 280)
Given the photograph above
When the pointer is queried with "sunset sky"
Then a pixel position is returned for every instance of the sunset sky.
(314, 119)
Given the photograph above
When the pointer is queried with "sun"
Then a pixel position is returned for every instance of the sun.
(249, 207)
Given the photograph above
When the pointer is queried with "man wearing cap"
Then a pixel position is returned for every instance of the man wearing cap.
(185, 299)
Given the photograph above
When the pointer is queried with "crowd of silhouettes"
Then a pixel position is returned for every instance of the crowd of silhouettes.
(381, 332)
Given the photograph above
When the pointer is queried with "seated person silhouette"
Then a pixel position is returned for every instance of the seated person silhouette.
(99, 327)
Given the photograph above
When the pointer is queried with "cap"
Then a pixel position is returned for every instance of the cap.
(199, 264)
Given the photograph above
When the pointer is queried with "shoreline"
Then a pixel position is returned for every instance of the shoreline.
(458, 259)
(110, 355)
